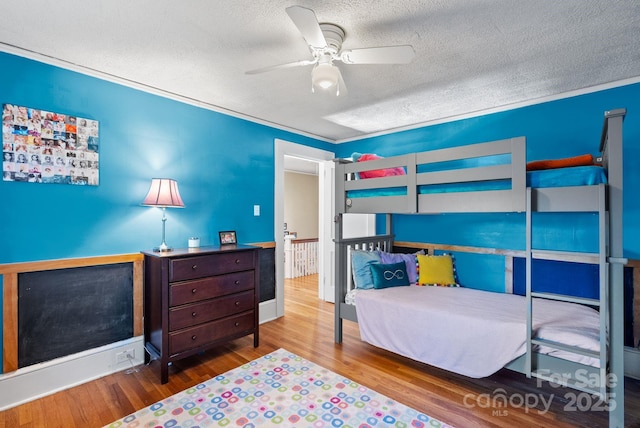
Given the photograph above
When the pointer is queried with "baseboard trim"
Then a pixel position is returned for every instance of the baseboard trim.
(40, 380)
(268, 311)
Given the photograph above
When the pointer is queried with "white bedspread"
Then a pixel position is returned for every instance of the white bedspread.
(466, 331)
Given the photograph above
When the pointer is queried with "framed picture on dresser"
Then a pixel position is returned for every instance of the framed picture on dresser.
(228, 237)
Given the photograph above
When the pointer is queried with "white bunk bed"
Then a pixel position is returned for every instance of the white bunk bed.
(410, 193)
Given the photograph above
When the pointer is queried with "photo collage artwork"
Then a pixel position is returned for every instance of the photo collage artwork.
(44, 147)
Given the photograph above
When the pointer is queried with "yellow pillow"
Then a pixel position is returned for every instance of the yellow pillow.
(436, 270)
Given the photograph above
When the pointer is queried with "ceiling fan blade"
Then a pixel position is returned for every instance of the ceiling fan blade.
(280, 66)
(307, 23)
(381, 55)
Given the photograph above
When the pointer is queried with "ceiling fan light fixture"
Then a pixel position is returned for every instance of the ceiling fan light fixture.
(325, 44)
(324, 76)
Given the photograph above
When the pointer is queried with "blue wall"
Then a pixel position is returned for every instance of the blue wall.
(223, 165)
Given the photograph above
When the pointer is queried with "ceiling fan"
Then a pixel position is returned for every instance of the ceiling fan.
(325, 43)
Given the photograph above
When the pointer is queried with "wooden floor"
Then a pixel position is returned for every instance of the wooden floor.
(307, 330)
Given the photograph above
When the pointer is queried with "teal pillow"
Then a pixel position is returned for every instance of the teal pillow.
(360, 265)
(392, 275)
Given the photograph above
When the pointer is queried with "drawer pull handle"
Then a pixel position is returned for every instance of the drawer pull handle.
(237, 261)
(194, 267)
(194, 314)
(237, 303)
(237, 282)
(194, 337)
(193, 290)
(237, 324)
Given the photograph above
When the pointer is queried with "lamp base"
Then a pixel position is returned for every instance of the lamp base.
(163, 248)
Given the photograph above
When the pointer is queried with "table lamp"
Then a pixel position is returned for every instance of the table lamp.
(163, 193)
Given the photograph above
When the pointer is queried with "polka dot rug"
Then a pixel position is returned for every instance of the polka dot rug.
(280, 389)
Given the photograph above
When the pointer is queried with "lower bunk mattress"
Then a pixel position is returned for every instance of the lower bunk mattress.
(471, 332)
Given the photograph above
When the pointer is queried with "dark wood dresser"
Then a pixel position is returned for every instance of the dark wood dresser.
(198, 298)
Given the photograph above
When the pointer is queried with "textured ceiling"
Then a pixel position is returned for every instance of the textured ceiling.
(471, 55)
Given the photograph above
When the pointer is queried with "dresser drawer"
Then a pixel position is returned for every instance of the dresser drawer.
(207, 288)
(198, 313)
(181, 269)
(194, 337)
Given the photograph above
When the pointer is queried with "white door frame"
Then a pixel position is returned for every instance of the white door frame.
(326, 231)
(275, 308)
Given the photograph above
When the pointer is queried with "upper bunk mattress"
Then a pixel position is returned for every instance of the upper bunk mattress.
(561, 177)
(467, 331)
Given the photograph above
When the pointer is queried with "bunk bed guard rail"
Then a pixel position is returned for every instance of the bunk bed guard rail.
(471, 169)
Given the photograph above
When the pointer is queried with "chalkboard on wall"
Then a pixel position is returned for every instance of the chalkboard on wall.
(65, 311)
(267, 274)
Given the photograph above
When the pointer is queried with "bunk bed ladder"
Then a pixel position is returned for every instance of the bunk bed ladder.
(597, 386)
(528, 227)
(611, 144)
(609, 385)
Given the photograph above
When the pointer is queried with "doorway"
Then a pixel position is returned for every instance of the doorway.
(275, 308)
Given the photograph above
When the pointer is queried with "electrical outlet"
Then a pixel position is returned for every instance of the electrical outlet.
(126, 355)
